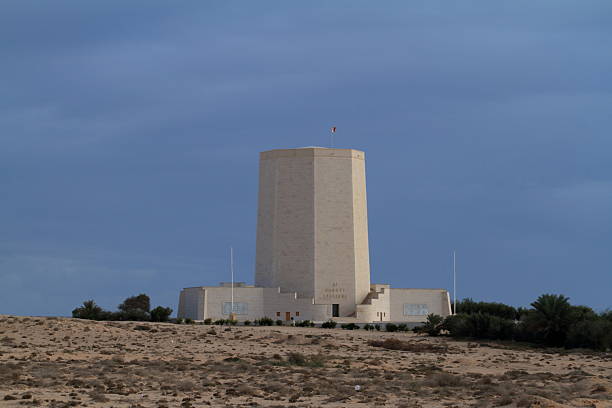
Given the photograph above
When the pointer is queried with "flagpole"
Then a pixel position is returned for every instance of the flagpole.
(454, 284)
(232, 272)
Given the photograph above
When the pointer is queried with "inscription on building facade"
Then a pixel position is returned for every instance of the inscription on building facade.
(334, 292)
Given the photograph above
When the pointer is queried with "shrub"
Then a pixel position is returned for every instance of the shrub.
(231, 322)
(247, 322)
(264, 321)
(208, 321)
(468, 306)
(219, 322)
(433, 325)
(330, 324)
(390, 327)
(368, 327)
(304, 323)
(377, 327)
(279, 322)
(443, 379)
(594, 333)
(397, 344)
(300, 359)
(349, 326)
(160, 314)
(189, 321)
(403, 327)
(89, 311)
(482, 326)
(296, 359)
(552, 321)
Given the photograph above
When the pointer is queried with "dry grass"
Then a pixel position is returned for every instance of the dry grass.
(420, 347)
(115, 363)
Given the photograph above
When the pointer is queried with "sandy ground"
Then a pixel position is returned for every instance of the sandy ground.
(57, 362)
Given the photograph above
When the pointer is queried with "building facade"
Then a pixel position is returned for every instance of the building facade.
(312, 260)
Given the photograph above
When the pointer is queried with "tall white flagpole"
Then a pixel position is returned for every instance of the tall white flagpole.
(454, 284)
(232, 272)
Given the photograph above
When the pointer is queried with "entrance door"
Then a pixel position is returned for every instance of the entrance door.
(335, 310)
(287, 316)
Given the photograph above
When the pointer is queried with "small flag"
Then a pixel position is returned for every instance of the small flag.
(333, 129)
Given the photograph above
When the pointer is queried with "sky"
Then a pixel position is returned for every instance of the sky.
(130, 135)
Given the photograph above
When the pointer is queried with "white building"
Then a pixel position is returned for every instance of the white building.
(312, 260)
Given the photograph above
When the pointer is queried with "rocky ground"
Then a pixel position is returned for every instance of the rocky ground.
(57, 362)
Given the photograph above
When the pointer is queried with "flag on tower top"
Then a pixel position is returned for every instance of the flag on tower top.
(333, 129)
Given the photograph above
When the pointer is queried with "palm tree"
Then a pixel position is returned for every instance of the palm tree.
(89, 310)
(552, 318)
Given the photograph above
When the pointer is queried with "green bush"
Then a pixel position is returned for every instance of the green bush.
(279, 322)
(551, 321)
(135, 308)
(208, 321)
(368, 327)
(247, 322)
(390, 327)
(189, 321)
(304, 323)
(179, 320)
(403, 327)
(349, 326)
(468, 306)
(231, 322)
(593, 333)
(330, 324)
(434, 324)
(219, 322)
(160, 314)
(377, 327)
(264, 321)
(89, 311)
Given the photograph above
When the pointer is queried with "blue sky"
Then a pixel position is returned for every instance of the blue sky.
(130, 133)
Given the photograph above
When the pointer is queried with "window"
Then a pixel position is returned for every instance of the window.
(411, 309)
(240, 308)
(297, 313)
(277, 314)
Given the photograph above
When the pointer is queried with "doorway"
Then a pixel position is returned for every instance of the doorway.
(335, 310)
(287, 316)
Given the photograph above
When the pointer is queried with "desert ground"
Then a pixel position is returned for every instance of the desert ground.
(61, 362)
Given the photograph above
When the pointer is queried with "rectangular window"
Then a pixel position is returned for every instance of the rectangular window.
(297, 313)
(277, 314)
(240, 308)
(411, 309)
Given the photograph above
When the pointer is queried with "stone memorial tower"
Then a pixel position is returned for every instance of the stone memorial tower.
(312, 226)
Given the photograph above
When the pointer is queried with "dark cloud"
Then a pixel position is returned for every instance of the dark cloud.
(130, 132)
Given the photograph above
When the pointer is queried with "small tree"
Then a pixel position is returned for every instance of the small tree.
(433, 325)
(89, 311)
(160, 314)
(135, 308)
